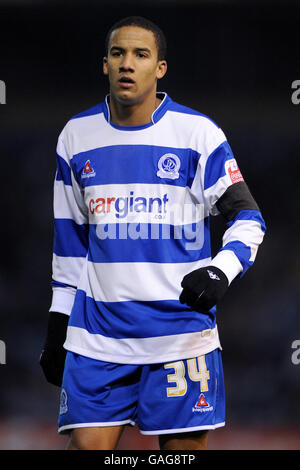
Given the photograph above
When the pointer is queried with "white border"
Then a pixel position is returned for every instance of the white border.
(132, 423)
(193, 428)
(94, 425)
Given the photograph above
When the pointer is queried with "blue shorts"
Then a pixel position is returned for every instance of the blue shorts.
(179, 396)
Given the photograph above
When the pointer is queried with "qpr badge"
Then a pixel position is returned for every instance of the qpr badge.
(168, 166)
(63, 407)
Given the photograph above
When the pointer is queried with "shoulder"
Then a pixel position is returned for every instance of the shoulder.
(202, 132)
(186, 112)
(81, 127)
(85, 118)
(97, 109)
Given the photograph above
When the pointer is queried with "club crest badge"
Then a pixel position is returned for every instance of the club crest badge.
(63, 407)
(168, 166)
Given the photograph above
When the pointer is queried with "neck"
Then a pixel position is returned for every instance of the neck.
(135, 114)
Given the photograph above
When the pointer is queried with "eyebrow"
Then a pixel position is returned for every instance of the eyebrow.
(138, 49)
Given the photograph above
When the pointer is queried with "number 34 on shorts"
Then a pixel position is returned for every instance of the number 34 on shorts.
(197, 372)
(188, 394)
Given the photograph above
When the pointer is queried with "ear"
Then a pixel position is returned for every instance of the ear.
(161, 69)
(105, 66)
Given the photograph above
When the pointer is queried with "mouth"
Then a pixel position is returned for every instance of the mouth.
(126, 82)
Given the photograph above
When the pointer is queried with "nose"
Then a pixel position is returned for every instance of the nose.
(127, 63)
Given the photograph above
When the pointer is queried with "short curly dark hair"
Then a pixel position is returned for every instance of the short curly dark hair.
(144, 23)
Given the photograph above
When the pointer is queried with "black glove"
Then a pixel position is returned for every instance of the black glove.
(203, 288)
(53, 355)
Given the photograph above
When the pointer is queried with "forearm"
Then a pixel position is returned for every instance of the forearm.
(245, 233)
(62, 299)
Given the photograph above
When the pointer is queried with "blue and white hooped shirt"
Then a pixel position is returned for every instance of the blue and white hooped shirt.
(132, 208)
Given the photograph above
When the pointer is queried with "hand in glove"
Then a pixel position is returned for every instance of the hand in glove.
(53, 356)
(203, 288)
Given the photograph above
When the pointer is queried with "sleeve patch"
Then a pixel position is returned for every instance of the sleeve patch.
(233, 171)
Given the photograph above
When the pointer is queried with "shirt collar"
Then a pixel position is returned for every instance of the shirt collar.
(158, 113)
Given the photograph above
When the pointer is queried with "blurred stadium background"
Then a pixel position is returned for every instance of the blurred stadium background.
(235, 62)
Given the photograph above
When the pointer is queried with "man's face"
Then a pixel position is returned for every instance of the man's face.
(132, 64)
